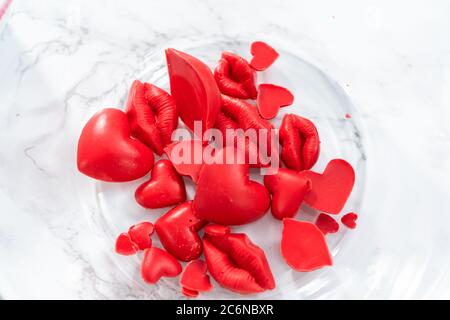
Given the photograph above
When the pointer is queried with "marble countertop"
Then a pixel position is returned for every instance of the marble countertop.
(61, 61)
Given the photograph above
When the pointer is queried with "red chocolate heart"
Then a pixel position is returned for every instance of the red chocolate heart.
(186, 157)
(271, 98)
(141, 234)
(237, 264)
(177, 230)
(300, 144)
(288, 189)
(225, 194)
(153, 115)
(194, 276)
(303, 246)
(165, 187)
(194, 89)
(349, 220)
(327, 224)
(107, 152)
(263, 55)
(125, 246)
(235, 77)
(158, 263)
(331, 189)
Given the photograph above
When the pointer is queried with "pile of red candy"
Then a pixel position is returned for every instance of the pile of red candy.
(118, 146)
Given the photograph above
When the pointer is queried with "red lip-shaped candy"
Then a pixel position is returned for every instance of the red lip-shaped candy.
(237, 264)
(107, 152)
(194, 276)
(303, 246)
(263, 55)
(177, 230)
(288, 189)
(153, 115)
(271, 98)
(300, 144)
(125, 246)
(235, 77)
(165, 188)
(141, 234)
(225, 194)
(194, 89)
(186, 157)
(158, 263)
(331, 189)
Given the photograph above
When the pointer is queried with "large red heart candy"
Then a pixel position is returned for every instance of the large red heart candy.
(288, 189)
(194, 276)
(153, 115)
(107, 152)
(125, 246)
(194, 89)
(331, 189)
(271, 98)
(187, 157)
(303, 246)
(237, 264)
(177, 230)
(158, 263)
(225, 194)
(165, 187)
(263, 55)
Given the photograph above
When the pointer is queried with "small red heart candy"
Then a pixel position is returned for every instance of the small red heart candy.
(263, 55)
(158, 263)
(330, 189)
(271, 98)
(303, 246)
(141, 234)
(186, 157)
(327, 224)
(107, 152)
(349, 220)
(125, 246)
(189, 293)
(165, 187)
(194, 276)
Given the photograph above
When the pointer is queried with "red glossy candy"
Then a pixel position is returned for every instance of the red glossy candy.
(177, 230)
(327, 224)
(235, 77)
(288, 189)
(107, 152)
(330, 189)
(186, 157)
(237, 264)
(303, 246)
(263, 55)
(300, 144)
(141, 234)
(125, 246)
(194, 276)
(189, 293)
(153, 115)
(216, 229)
(194, 89)
(349, 220)
(271, 98)
(225, 194)
(158, 263)
(165, 187)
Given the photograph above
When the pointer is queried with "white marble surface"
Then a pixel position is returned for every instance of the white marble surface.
(392, 58)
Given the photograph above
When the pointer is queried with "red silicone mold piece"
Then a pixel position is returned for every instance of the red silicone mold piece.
(177, 230)
(303, 246)
(331, 189)
(237, 264)
(107, 152)
(288, 189)
(194, 89)
(263, 55)
(235, 77)
(186, 150)
(158, 263)
(165, 187)
(141, 234)
(300, 144)
(271, 98)
(153, 115)
(349, 220)
(125, 246)
(195, 277)
(225, 194)
(327, 224)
